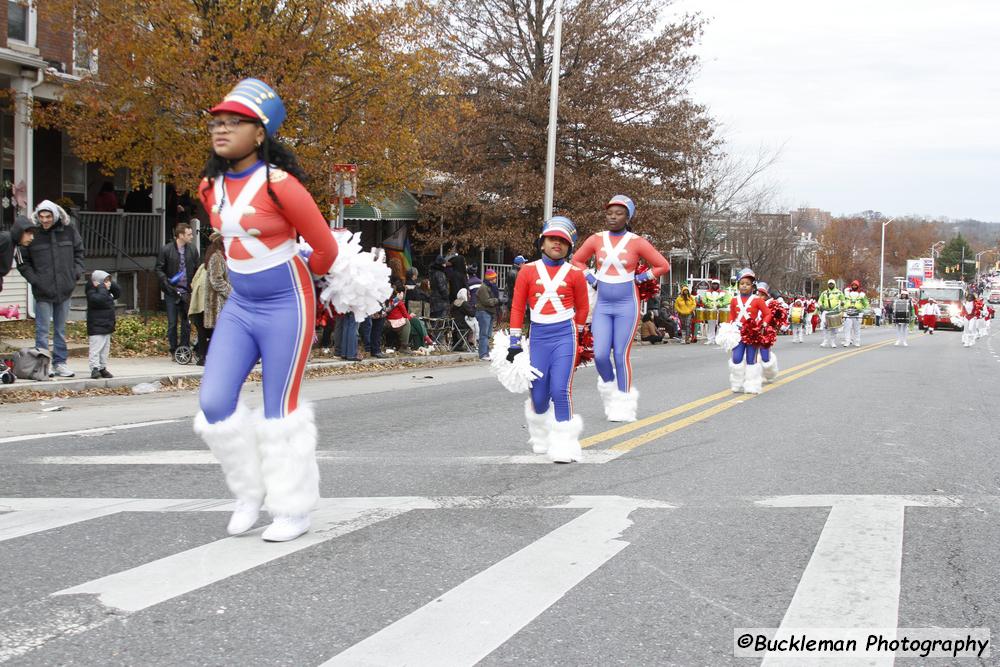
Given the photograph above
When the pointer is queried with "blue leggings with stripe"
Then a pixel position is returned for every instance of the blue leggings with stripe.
(553, 352)
(750, 352)
(616, 317)
(269, 317)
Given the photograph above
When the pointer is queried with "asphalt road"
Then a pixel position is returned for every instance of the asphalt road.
(860, 490)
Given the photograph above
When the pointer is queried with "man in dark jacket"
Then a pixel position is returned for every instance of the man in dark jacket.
(101, 295)
(440, 303)
(52, 264)
(175, 268)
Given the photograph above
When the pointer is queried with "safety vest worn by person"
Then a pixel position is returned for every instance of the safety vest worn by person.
(856, 300)
(714, 299)
(831, 300)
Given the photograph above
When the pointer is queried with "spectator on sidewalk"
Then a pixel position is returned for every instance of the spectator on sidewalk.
(418, 299)
(345, 333)
(217, 287)
(648, 332)
(52, 264)
(487, 302)
(684, 305)
(399, 317)
(439, 288)
(175, 267)
(101, 295)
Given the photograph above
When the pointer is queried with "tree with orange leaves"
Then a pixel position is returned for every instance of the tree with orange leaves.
(362, 83)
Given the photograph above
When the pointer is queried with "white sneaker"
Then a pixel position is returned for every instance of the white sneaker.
(823, 344)
(244, 516)
(833, 345)
(905, 344)
(286, 528)
(62, 371)
(896, 344)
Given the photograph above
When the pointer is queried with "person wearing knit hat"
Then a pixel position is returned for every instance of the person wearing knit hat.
(487, 302)
(252, 190)
(617, 253)
(101, 294)
(555, 294)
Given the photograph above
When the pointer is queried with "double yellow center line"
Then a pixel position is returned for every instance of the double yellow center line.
(786, 376)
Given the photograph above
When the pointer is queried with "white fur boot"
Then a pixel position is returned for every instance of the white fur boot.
(291, 476)
(607, 391)
(737, 372)
(233, 441)
(754, 379)
(564, 441)
(624, 406)
(539, 426)
(770, 368)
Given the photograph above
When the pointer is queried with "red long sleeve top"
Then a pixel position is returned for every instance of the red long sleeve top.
(618, 256)
(557, 295)
(259, 235)
(754, 309)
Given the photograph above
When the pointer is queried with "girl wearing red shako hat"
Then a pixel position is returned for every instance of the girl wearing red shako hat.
(749, 313)
(556, 294)
(252, 189)
(617, 252)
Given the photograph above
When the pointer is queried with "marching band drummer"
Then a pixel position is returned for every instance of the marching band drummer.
(745, 374)
(831, 305)
(713, 300)
(902, 314)
(555, 293)
(856, 305)
(797, 317)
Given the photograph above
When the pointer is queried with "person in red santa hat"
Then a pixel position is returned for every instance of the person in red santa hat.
(929, 314)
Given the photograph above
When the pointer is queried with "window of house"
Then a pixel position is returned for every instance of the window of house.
(19, 18)
(74, 174)
(84, 57)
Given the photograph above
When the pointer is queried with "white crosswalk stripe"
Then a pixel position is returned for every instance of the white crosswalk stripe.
(852, 579)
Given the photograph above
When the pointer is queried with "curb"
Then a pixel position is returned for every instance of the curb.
(74, 384)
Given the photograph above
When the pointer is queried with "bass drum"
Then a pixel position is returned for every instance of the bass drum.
(699, 315)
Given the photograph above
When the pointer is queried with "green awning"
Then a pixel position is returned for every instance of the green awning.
(402, 206)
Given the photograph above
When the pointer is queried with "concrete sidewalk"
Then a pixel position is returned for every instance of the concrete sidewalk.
(130, 371)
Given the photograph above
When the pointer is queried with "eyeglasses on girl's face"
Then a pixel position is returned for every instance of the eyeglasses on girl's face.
(229, 124)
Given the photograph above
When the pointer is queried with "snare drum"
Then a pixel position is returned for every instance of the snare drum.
(723, 316)
(699, 315)
(834, 320)
(796, 315)
(711, 315)
(868, 320)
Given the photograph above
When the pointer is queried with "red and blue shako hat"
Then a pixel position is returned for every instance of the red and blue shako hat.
(560, 226)
(622, 200)
(255, 99)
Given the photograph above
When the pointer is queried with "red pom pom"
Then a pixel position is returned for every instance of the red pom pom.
(647, 288)
(757, 334)
(584, 348)
(779, 314)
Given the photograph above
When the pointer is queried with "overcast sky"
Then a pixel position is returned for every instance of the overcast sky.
(880, 104)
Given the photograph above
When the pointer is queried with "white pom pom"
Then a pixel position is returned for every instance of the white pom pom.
(516, 377)
(358, 281)
(728, 336)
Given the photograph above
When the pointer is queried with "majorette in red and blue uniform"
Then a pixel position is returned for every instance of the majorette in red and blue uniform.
(616, 314)
(749, 314)
(555, 291)
(268, 459)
